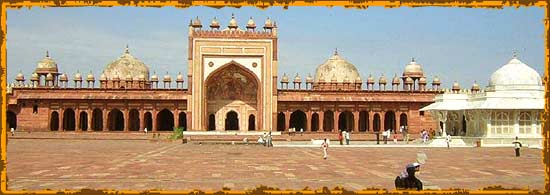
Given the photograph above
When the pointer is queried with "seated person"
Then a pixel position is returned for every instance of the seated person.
(407, 179)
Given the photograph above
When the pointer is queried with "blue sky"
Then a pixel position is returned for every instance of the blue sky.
(458, 44)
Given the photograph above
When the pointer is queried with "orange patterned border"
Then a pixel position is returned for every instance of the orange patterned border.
(361, 4)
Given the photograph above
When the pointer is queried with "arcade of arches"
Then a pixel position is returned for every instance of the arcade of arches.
(329, 120)
(113, 120)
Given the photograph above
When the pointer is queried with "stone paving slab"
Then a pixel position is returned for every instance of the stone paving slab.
(142, 164)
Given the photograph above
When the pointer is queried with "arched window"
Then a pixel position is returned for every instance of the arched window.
(525, 123)
(500, 123)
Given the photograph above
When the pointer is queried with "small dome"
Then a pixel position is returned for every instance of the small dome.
(413, 70)
(284, 79)
(167, 78)
(196, 23)
(46, 65)
(155, 78)
(475, 86)
(297, 78)
(179, 78)
(436, 80)
(102, 77)
(49, 77)
(370, 80)
(338, 67)
(515, 74)
(309, 79)
(232, 22)
(126, 65)
(63, 77)
(215, 23)
(456, 86)
(409, 80)
(422, 80)
(396, 80)
(90, 77)
(34, 76)
(251, 24)
(268, 24)
(77, 76)
(382, 79)
(129, 77)
(358, 80)
(20, 77)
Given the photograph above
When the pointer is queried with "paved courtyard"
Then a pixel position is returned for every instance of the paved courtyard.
(35, 164)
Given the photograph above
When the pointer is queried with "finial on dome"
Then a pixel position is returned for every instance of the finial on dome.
(515, 54)
(336, 51)
(127, 50)
(412, 59)
(47, 54)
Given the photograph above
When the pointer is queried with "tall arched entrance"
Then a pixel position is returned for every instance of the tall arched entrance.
(363, 121)
(314, 122)
(115, 120)
(389, 121)
(251, 122)
(345, 121)
(298, 120)
(281, 121)
(54, 121)
(376, 122)
(69, 122)
(232, 121)
(83, 121)
(97, 119)
(134, 120)
(182, 123)
(148, 119)
(403, 119)
(165, 120)
(231, 91)
(328, 121)
(211, 122)
(12, 120)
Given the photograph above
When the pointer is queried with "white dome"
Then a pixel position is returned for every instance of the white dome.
(126, 65)
(515, 74)
(336, 69)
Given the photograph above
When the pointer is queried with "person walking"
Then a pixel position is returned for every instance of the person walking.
(324, 145)
(517, 146)
(269, 140)
(448, 140)
(388, 135)
(347, 137)
(12, 130)
(340, 137)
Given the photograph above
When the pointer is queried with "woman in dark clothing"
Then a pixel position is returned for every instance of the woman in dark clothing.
(407, 179)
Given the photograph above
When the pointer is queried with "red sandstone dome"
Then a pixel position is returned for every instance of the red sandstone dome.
(126, 65)
(337, 69)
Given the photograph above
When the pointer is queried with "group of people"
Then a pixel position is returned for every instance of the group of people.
(343, 135)
(266, 139)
